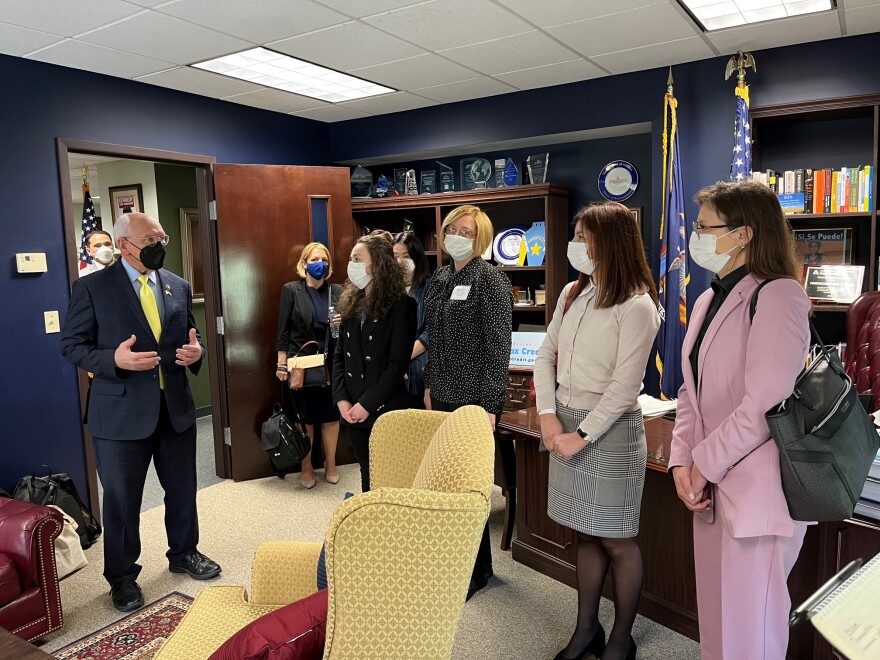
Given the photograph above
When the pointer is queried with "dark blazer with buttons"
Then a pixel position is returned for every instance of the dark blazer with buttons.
(295, 322)
(369, 362)
(103, 312)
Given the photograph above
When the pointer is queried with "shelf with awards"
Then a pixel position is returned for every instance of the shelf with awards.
(514, 211)
(842, 135)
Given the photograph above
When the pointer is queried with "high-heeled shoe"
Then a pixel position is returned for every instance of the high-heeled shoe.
(596, 647)
(332, 480)
(308, 484)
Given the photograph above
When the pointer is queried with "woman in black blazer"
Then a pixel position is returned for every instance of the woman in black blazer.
(304, 317)
(375, 341)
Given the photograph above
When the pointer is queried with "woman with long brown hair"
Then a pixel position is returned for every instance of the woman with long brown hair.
(375, 341)
(588, 375)
(737, 366)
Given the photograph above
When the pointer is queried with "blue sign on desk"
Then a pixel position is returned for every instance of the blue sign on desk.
(524, 348)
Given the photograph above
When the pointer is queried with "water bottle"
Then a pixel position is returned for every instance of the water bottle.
(334, 329)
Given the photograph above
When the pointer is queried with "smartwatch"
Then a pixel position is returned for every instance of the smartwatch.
(586, 436)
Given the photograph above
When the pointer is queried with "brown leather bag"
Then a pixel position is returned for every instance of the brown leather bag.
(307, 370)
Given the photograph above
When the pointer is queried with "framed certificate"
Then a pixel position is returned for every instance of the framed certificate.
(824, 247)
(834, 284)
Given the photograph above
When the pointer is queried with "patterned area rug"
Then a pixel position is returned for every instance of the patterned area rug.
(139, 635)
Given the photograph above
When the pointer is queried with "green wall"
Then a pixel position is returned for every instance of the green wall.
(176, 187)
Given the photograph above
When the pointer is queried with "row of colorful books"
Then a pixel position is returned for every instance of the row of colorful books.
(805, 190)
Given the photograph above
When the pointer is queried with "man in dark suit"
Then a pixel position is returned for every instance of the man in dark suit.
(131, 325)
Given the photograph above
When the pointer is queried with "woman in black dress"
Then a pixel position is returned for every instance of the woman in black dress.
(375, 340)
(410, 255)
(304, 317)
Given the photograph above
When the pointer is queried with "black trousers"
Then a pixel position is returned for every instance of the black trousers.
(122, 467)
(360, 443)
(483, 565)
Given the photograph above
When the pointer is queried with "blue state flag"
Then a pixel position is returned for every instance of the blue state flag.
(674, 277)
(741, 162)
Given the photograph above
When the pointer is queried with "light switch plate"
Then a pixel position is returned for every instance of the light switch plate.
(52, 323)
(31, 262)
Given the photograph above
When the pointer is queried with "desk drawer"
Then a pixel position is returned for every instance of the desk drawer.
(517, 398)
(519, 381)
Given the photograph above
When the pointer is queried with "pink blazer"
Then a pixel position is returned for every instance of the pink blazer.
(745, 369)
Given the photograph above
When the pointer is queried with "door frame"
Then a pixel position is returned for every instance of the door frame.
(214, 341)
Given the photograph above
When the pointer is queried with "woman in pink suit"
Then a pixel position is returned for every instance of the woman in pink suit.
(723, 461)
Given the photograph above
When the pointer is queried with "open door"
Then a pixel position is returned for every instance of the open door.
(266, 215)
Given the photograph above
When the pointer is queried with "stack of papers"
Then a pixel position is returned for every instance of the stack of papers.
(652, 407)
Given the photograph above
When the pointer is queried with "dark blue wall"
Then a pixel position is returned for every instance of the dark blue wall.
(39, 403)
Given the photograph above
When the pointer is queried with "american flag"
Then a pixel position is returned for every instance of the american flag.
(741, 163)
(89, 224)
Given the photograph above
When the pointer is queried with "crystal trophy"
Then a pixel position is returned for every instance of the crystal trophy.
(447, 178)
(499, 172)
(537, 166)
(410, 187)
(400, 181)
(510, 176)
(428, 181)
(475, 173)
(361, 182)
(383, 186)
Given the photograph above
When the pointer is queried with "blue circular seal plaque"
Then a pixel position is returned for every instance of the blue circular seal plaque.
(618, 180)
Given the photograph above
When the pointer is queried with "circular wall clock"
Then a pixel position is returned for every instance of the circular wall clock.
(618, 180)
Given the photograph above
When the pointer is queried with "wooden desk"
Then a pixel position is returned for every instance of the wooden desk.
(15, 647)
(666, 537)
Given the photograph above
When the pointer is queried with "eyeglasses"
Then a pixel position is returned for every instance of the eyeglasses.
(149, 240)
(701, 228)
(464, 232)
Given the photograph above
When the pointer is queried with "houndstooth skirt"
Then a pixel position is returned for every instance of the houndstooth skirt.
(598, 491)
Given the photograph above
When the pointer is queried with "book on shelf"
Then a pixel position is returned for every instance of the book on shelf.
(844, 190)
(844, 610)
(808, 190)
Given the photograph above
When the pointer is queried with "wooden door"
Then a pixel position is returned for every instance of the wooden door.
(266, 214)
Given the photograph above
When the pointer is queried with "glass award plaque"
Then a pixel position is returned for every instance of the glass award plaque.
(475, 173)
(383, 187)
(410, 188)
(428, 181)
(499, 172)
(400, 181)
(447, 178)
(537, 166)
(510, 176)
(361, 182)
(834, 284)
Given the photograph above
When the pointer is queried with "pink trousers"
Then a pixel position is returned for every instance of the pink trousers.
(742, 595)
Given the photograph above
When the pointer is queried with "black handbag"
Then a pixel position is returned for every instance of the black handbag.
(285, 444)
(59, 489)
(826, 440)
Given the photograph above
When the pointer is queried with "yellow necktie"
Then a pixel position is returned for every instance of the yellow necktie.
(151, 311)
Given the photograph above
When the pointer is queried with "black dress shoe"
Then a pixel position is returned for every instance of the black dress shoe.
(126, 595)
(478, 583)
(596, 647)
(196, 565)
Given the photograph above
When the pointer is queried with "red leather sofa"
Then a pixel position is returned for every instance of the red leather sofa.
(863, 345)
(30, 602)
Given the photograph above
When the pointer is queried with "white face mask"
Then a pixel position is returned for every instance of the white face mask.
(409, 266)
(702, 248)
(104, 255)
(357, 273)
(458, 247)
(577, 257)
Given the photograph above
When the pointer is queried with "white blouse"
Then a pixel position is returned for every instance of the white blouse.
(602, 355)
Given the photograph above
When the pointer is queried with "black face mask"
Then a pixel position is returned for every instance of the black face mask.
(152, 256)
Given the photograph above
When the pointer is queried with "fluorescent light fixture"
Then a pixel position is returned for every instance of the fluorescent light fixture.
(270, 69)
(720, 14)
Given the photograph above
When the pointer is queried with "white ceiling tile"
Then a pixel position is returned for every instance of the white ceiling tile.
(332, 113)
(151, 34)
(197, 81)
(260, 22)
(420, 71)
(449, 23)
(512, 53)
(464, 90)
(863, 20)
(15, 40)
(89, 57)
(348, 46)
(546, 14)
(148, 3)
(62, 16)
(397, 102)
(275, 99)
(359, 8)
(785, 32)
(552, 74)
(654, 24)
(656, 55)
(853, 4)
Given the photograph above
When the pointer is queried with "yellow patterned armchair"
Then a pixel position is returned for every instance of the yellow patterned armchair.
(399, 558)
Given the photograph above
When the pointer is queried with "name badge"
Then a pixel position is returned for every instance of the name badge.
(460, 292)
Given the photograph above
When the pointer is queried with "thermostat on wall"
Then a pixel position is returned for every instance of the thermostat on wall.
(31, 262)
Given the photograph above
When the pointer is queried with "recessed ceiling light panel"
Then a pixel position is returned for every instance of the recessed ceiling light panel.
(270, 69)
(720, 14)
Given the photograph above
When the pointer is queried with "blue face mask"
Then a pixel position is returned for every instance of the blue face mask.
(317, 269)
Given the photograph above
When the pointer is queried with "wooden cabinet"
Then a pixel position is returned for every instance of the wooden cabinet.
(506, 207)
(829, 133)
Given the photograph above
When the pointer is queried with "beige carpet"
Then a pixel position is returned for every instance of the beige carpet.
(521, 615)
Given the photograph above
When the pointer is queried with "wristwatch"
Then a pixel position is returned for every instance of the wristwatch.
(586, 436)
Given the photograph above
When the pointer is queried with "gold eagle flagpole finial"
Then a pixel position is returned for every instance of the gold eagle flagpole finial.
(85, 174)
(739, 63)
